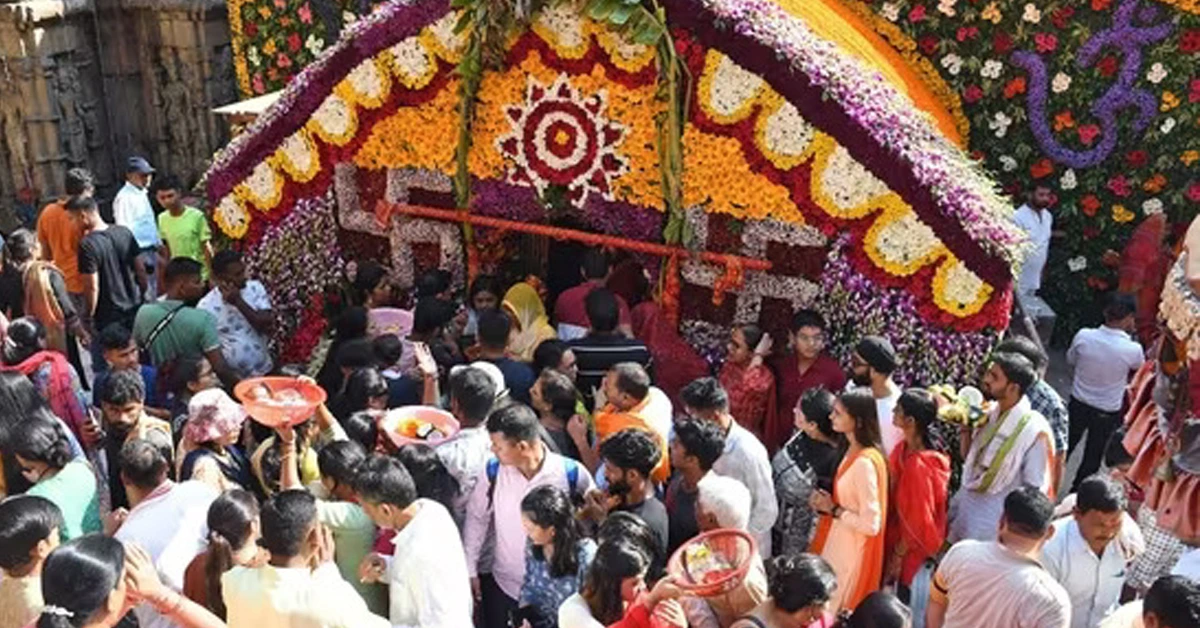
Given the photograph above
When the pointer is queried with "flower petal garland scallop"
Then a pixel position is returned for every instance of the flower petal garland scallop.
(972, 212)
(561, 137)
(728, 91)
(784, 136)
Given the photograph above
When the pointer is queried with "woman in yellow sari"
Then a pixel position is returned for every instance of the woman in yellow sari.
(530, 324)
(851, 535)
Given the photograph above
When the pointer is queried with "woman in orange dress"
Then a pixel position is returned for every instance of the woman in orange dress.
(856, 511)
(750, 384)
(920, 476)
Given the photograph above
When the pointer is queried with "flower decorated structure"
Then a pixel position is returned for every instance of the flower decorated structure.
(787, 139)
(560, 137)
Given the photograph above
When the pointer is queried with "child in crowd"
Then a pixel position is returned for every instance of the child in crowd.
(29, 528)
(402, 390)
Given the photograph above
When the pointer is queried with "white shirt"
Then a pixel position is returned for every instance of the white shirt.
(132, 210)
(1103, 358)
(986, 585)
(1093, 583)
(246, 350)
(885, 408)
(1037, 225)
(171, 524)
(745, 460)
(427, 574)
(575, 613)
(1188, 565)
(274, 597)
(464, 456)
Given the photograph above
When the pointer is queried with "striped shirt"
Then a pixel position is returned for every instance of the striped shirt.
(596, 353)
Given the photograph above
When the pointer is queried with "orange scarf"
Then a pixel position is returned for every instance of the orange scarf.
(41, 304)
(871, 574)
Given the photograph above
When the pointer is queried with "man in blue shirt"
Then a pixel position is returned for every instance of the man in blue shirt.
(494, 329)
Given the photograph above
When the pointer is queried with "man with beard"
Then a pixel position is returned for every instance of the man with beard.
(871, 366)
(1035, 219)
(122, 397)
(1012, 448)
(172, 327)
(629, 458)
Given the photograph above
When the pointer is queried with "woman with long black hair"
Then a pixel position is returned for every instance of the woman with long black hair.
(233, 531)
(614, 593)
(557, 555)
(920, 475)
(856, 510)
(94, 580)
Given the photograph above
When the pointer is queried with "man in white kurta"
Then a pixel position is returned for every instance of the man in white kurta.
(1013, 448)
(1035, 219)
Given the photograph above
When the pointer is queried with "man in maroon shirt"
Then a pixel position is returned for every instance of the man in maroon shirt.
(570, 312)
(806, 367)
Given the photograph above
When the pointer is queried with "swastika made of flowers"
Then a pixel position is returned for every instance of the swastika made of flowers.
(562, 138)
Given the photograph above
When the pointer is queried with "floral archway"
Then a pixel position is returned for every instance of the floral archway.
(728, 126)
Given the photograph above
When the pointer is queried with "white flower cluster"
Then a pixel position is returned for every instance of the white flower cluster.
(991, 69)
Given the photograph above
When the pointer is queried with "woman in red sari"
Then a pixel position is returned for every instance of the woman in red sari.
(920, 477)
(676, 363)
(750, 384)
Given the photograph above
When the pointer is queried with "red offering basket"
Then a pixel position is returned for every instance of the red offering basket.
(277, 407)
(403, 425)
(713, 563)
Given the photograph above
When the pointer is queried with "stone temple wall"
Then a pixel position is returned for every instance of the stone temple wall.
(90, 82)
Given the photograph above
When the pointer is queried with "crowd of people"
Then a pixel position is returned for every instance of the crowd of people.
(593, 443)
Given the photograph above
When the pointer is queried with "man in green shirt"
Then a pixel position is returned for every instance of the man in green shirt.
(172, 327)
(184, 229)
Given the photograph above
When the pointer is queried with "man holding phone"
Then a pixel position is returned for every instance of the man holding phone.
(244, 317)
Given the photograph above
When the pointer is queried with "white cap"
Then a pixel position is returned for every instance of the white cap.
(493, 372)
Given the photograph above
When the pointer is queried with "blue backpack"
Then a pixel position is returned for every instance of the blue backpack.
(569, 465)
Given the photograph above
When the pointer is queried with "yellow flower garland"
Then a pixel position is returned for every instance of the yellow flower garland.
(404, 139)
(918, 62)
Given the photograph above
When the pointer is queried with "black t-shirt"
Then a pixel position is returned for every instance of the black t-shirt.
(110, 254)
(681, 506)
(12, 293)
(654, 514)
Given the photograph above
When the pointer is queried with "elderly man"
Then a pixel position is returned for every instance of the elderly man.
(132, 210)
(744, 458)
(725, 503)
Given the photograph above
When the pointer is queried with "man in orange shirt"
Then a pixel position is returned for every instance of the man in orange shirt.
(630, 401)
(60, 234)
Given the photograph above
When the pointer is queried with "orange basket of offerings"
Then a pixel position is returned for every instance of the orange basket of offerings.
(279, 401)
(424, 425)
(713, 563)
